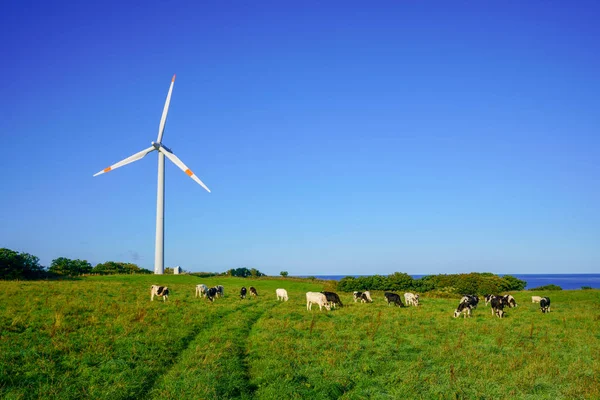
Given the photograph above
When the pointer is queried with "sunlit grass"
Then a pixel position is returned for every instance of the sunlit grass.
(101, 337)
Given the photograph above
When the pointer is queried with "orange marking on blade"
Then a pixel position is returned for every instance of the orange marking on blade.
(106, 169)
(173, 80)
(190, 173)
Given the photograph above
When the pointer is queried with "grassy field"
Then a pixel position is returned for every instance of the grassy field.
(101, 337)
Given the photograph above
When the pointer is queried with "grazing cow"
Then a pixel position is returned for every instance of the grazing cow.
(220, 291)
(411, 299)
(333, 299)
(364, 297)
(545, 304)
(316, 298)
(498, 303)
(253, 291)
(393, 298)
(243, 292)
(472, 300)
(464, 307)
(201, 290)
(281, 294)
(488, 298)
(211, 294)
(536, 299)
(510, 301)
(160, 291)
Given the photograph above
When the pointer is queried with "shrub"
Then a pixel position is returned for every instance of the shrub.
(586, 288)
(547, 287)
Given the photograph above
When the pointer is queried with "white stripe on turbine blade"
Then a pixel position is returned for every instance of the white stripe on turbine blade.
(182, 166)
(163, 119)
(128, 160)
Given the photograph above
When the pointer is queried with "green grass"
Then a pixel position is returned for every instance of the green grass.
(101, 337)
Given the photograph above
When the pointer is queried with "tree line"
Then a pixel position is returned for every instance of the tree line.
(472, 283)
(15, 265)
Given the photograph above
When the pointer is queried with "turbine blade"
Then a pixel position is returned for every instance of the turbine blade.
(182, 166)
(163, 119)
(128, 160)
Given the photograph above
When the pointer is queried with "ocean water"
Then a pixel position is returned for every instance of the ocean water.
(565, 281)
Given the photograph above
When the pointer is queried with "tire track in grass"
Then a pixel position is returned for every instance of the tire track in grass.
(215, 364)
(185, 342)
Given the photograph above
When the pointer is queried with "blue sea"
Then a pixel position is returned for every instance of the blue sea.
(565, 281)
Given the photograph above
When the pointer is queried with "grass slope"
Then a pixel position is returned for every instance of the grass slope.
(101, 337)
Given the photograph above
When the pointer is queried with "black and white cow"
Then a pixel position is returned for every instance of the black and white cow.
(498, 303)
(464, 307)
(160, 291)
(393, 298)
(243, 292)
(472, 300)
(333, 299)
(211, 294)
(253, 291)
(364, 297)
(510, 301)
(201, 290)
(545, 304)
(487, 298)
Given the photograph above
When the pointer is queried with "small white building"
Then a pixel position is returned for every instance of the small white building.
(177, 270)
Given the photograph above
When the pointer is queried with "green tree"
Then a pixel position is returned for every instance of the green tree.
(115, 267)
(255, 273)
(512, 283)
(399, 281)
(67, 267)
(15, 265)
(283, 273)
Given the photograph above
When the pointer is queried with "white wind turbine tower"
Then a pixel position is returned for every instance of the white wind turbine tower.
(159, 259)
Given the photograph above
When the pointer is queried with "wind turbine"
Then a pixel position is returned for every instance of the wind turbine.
(159, 259)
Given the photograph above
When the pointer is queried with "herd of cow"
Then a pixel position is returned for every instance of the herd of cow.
(331, 300)
(469, 302)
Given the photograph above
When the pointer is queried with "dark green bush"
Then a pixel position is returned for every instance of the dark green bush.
(547, 287)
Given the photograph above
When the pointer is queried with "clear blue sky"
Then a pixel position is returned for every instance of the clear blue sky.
(336, 137)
